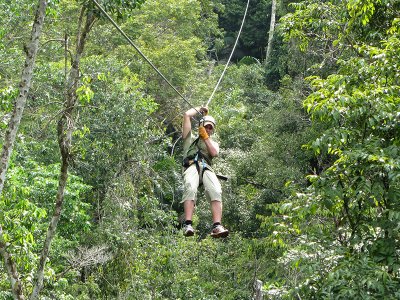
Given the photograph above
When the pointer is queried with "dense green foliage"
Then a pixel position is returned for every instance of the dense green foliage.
(343, 240)
(310, 144)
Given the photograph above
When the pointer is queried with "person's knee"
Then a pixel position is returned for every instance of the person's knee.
(189, 202)
(216, 200)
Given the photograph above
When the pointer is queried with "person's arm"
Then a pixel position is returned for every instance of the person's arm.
(212, 150)
(187, 124)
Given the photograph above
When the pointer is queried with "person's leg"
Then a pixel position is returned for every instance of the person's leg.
(214, 195)
(188, 207)
(212, 187)
(191, 183)
(190, 186)
(216, 211)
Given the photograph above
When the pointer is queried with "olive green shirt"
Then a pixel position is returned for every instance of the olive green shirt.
(187, 142)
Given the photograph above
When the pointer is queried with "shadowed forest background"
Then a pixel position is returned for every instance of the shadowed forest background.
(309, 136)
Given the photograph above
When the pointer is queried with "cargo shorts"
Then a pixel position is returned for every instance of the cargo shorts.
(192, 180)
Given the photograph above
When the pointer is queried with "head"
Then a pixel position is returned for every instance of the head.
(209, 124)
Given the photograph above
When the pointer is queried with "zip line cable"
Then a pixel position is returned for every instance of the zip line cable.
(159, 73)
(230, 56)
(142, 54)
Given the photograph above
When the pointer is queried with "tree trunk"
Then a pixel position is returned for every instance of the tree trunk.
(271, 32)
(13, 125)
(65, 128)
(258, 290)
(12, 272)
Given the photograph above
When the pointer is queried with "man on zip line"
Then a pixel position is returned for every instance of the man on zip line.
(198, 153)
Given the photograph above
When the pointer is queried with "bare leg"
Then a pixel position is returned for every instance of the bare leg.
(216, 211)
(188, 207)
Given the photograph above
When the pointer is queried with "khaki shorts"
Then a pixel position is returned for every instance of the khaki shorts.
(191, 180)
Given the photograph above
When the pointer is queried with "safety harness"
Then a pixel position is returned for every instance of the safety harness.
(194, 156)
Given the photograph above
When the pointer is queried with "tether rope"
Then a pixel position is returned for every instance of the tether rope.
(230, 56)
(142, 54)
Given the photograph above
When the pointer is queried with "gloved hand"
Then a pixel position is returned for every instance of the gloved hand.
(203, 133)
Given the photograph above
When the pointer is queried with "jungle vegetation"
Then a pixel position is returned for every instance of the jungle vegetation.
(90, 168)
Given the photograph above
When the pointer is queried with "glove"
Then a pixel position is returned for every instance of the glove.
(203, 133)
